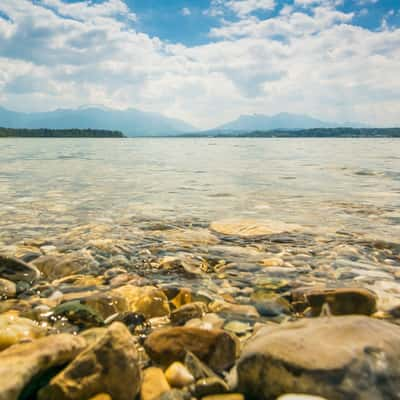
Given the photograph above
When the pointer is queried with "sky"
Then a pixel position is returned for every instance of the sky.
(204, 61)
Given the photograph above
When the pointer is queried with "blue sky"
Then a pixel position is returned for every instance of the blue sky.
(204, 61)
(165, 19)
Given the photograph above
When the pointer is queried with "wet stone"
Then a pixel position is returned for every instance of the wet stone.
(187, 312)
(21, 364)
(78, 314)
(175, 394)
(208, 386)
(216, 348)
(8, 289)
(342, 301)
(103, 367)
(178, 375)
(271, 363)
(154, 384)
(16, 270)
(14, 329)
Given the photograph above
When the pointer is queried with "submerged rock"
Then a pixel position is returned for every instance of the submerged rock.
(102, 368)
(251, 228)
(78, 314)
(16, 270)
(340, 358)
(8, 289)
(187, 312)
(14, 329)
(342, 301)
(61, 265)
(147, 300)
(21, 363)
(216, 348)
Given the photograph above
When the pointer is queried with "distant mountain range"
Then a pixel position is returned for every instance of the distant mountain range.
(281, 121)
(133, 122)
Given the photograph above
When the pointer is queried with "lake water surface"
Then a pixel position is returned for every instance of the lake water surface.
(338, 184)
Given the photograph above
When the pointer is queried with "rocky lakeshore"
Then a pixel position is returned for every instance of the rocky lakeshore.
(175, 310)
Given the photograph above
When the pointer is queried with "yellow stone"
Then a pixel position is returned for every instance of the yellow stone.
(147, 300)
(154, 384)
(14, 329)
(229, 396)
(101, 396)
(178, 375)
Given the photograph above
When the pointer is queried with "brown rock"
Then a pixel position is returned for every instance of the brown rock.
(58, 266)
(342, 301)
(154, 384)
(109, 366)
(215, 347)
(16, 270)
(340, 358)
(19, 364)
(8, 289)
(187, 312)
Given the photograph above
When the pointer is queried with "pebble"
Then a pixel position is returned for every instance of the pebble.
(178, 375)
(230, 396)
(292, 396)
(8, 289)
(187, 312)
(209, 386)
(14, 329)
(154, 384)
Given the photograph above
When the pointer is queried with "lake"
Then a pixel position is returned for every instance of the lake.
(340, 184)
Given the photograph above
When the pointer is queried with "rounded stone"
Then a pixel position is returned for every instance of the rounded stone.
(340, 358)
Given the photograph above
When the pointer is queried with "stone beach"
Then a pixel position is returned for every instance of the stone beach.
(227, 310)
(184, 269)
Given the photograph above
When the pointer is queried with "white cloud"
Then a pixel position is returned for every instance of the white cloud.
(366, 2)
(304, 61)
(186, 11)
(245, 7)
(241, 8)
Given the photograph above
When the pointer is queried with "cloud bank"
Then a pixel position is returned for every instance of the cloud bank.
(263, 57)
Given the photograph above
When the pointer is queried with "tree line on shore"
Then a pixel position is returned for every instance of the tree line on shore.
(60, 133)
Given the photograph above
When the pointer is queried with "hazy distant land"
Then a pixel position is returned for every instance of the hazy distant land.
(304, 133)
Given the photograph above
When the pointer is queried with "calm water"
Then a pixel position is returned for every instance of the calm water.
(339, 184)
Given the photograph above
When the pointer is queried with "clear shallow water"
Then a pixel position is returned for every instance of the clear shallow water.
(337, 184)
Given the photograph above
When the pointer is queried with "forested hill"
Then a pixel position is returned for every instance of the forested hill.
(60, 133)
(305, 133)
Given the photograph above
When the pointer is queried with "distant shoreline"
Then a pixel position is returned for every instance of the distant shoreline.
(59, 133)
(351, 133)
